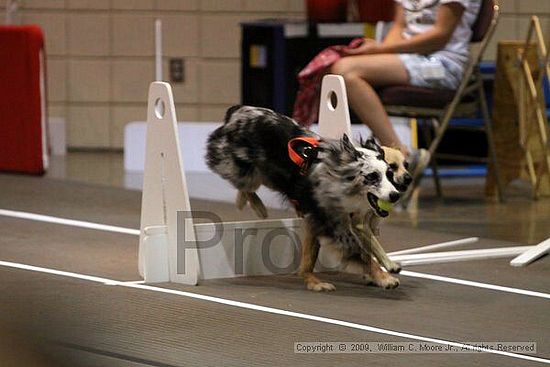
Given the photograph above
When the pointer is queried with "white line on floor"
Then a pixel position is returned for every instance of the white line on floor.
(68, 222)
(271, 310)
(470, 283)
(104, 227)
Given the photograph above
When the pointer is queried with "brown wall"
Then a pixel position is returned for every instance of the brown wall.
(100, 55)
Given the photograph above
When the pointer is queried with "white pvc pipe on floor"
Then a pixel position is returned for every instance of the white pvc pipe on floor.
(532, 254)
(465, 255)
(435, 246)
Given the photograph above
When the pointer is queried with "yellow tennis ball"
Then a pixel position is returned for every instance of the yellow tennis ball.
(385, 205)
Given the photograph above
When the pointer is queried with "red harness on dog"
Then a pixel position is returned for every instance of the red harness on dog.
(302, 151)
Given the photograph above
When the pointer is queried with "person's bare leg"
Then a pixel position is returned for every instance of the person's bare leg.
(361, 74)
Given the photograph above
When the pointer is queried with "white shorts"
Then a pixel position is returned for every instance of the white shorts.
(433, 71)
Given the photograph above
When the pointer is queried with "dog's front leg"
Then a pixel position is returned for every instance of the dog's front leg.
(365, 264)
(368, 230)
(379, 252)
(310, 252)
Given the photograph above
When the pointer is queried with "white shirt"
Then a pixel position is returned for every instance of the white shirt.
(420, 16)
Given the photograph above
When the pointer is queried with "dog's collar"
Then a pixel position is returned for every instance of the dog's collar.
(303, 151)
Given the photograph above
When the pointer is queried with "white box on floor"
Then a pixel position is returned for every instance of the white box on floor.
(57, 135)
(193, 137)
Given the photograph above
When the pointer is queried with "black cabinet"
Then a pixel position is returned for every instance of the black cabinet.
(274, 51)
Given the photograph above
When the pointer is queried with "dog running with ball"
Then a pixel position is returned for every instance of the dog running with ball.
(338, 189)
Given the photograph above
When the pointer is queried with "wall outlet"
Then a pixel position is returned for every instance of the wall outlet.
(177, 70)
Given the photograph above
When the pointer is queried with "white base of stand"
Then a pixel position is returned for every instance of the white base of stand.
(261, 247)
(154, 255)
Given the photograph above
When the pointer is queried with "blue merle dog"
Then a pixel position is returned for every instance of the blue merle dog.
(328, 181)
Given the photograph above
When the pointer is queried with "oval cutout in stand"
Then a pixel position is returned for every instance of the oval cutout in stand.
(332, 101)
(159, 108)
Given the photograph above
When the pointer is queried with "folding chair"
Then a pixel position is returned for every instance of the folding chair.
(439, 106)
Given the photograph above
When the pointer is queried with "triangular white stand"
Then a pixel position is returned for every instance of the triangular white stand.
(334, 119)
(164, 187)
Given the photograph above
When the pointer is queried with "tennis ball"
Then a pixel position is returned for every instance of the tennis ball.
(385, 205)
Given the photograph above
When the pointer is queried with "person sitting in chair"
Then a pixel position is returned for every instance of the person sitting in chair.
(427, 46)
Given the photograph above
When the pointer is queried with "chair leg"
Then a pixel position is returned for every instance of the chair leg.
(440, 130)
(490, 141)
(427, 132)
(436, 178)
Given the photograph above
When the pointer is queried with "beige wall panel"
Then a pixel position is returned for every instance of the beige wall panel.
(221, 35)
(89, 80)
(188, 91)
(508, 6)
(88, 4)
(297, 6)
(88, 35)
(534, 7)
(506, 30)
(57, 80)
(178, 4)
(187, 113)
(220, 82)
(121, 116)
(39, 4)
(53, 26)
(57, 110)
(213, 113)
(266, 5)
(133, 35)
(88, 127)
(133, 4)
(295, 16)
(222, 5)
(131, 79)
(180, 35)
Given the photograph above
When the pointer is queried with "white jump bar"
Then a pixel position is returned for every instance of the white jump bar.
(532, 254)
(452, 256)
(435, 246)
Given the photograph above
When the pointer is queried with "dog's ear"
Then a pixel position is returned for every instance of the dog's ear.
(346, 143)
(371, 144)
(348, 147)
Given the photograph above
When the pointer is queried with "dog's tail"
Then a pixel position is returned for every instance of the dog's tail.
(230, 111)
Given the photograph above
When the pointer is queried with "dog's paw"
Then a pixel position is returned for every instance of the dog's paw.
(392, 267)
(321, 287)
(387, 282)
